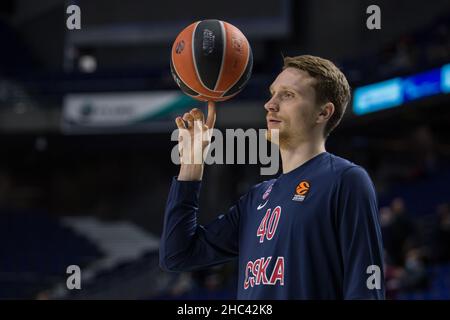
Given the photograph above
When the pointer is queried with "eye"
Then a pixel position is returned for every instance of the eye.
(288, 94)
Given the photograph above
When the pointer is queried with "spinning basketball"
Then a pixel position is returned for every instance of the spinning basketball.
(211, 60)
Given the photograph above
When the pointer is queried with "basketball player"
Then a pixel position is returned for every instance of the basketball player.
(311, 233)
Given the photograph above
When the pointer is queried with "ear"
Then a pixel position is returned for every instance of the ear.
(325, 113)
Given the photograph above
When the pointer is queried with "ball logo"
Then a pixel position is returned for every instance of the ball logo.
(180, 47)
(301, 191)
(237, 44)
(208, 41)
(175, 77)
(177, 80)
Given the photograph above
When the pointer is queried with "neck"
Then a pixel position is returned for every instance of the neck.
(294, 156)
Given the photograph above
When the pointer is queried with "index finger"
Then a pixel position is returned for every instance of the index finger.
(211, 120)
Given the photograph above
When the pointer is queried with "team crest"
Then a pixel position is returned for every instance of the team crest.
(264, 198)
(301, 191)
(266, 194)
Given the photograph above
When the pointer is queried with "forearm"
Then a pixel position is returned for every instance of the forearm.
(180, 224)
(186, 245)
(191, 172)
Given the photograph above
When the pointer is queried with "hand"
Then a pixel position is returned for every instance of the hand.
(193, 140)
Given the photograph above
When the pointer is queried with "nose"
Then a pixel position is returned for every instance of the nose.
(272, 105)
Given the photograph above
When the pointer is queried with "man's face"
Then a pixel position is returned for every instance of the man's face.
(292, 107)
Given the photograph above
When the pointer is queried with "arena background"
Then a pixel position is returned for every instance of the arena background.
(84, 180)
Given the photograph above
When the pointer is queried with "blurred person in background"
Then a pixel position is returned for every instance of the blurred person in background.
(399, 230)
(410, 277)
(443, 232)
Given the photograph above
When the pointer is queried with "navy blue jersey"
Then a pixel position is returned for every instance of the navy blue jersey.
(312, 233)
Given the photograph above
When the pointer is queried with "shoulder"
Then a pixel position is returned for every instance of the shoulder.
(355, 174)
(348, 174)
(345, 169)
(338, 165)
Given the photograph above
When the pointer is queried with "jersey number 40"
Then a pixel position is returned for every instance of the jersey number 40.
(269, 224)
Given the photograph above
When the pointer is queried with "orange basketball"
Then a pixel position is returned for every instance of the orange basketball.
(211, 60)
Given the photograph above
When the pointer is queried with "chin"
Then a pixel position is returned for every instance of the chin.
(287, 139)
(273, 135)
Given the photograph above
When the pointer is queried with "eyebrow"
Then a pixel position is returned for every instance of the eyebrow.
(284, 88)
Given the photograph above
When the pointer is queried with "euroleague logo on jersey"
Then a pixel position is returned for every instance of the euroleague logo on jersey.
(301, 191)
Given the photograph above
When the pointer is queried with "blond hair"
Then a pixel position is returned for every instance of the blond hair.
(331, 84)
